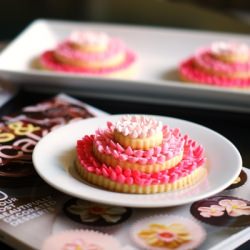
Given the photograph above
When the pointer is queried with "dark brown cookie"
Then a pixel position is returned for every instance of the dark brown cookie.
(225, 211)
(95, 214)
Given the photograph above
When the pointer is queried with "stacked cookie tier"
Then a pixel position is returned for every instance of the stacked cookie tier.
(222, 64)
(91, 53)
(140, 155)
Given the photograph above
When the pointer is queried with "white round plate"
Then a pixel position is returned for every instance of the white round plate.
(54, 158)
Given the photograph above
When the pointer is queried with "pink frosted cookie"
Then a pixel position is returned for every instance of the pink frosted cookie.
(222, 64)
(175, 162)
(90, 53)
(81, 239)
(167, 232)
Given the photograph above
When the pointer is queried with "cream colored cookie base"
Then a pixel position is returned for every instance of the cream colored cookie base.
(233, 58)
(126, 73)
(138, 143)
(115, 60)
(147, 168)
(89, 47)
(106, 183)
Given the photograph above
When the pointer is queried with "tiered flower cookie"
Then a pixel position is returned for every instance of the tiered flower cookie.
(91, 53)
(138, 154)
(223, 64)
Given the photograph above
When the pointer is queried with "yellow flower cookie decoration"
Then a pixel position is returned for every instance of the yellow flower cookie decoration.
(167, 232)
(170, 236)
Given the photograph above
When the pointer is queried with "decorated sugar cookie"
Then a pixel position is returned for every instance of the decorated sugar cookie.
(81, 240)
(167, 232)
(222, 211)
(137, 154)
(222, 64)
(90, 53)
(95, 214)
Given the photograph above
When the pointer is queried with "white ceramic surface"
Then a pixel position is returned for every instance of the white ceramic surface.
(158, 59)
(54, 157)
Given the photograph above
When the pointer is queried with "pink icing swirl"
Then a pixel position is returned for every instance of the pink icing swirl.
(172, 145)
(205, 68)
(205, 60)
(48, 61)
(114, 47)
(192, 159)
(89, 38)
(137, 126)
(229, 48)
(190, 72)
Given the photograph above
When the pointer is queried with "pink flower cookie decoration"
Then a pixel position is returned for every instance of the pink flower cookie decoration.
(222, 211)
(81, 240)
(79, 244)
(235, 207)
(213, 210)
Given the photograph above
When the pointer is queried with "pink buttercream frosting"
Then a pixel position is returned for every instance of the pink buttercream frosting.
(229, 48)
(192, 73)
(205, 67)
(89, 38)
(172, 145)
(114, 47)
(137, 126)
(205, 59)
(192, 159)
(48, 61)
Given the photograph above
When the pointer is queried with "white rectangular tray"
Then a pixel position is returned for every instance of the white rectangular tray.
(159, 50)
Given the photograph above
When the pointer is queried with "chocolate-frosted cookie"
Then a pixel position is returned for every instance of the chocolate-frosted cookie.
(239, 181)
(222, 211)
(95, 214)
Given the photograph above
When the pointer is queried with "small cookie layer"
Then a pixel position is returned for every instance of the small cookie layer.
(138, 132)
(89, 41)
(168, 154)
(113, 55)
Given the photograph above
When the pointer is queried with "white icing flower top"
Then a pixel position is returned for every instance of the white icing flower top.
(229, 48)
(89, 38)
(137, 126)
